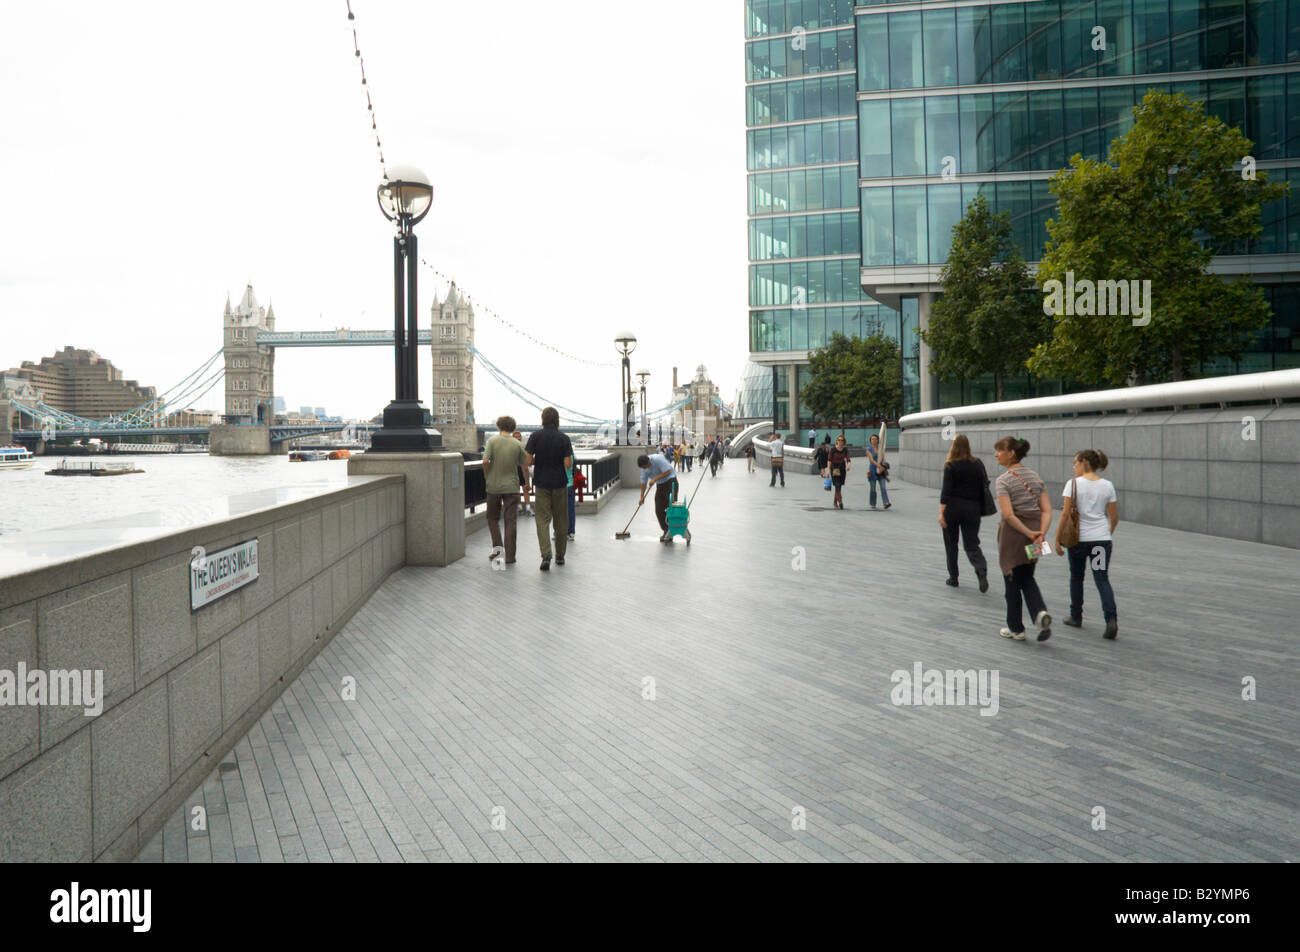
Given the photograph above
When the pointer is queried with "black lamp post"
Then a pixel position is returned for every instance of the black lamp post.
(643, 376)
(626, 343)
(404, 197)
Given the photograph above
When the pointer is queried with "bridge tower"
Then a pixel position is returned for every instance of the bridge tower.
(452, 333)
(250, 367)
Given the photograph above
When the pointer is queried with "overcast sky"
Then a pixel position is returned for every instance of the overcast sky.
(587, 159)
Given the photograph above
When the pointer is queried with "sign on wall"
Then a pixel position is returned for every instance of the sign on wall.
(214, 575)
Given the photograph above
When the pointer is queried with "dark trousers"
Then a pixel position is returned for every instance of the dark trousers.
(551, 504)
(714, 464)
(497, 505)
(1022, 589)
(664, 491)
(963, 515)
(778, 466)
(1096, 554)
(573, 510)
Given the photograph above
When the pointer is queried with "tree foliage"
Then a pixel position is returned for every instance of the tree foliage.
(1172, 193)
(989, 318)
(855, 376)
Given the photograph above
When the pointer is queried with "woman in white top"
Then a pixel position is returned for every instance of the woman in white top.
(1094, 499)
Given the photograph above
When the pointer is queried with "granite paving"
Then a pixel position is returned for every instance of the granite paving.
(732, 701)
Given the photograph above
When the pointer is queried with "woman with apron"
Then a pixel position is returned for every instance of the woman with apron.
(1026, 514)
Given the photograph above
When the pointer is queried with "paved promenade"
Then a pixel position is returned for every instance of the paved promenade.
(519, 697)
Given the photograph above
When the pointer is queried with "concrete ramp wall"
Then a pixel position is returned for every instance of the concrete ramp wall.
(1233, 473)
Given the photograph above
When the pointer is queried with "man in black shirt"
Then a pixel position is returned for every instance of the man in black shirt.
(550, 453)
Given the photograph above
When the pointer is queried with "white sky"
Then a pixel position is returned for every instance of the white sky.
(587, 159)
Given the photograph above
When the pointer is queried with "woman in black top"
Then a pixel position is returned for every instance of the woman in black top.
(838, 463)
(960, 500)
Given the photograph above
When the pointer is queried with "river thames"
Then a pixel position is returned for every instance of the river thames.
(31, 501)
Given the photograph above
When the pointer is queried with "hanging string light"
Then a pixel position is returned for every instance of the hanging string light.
(365, 86)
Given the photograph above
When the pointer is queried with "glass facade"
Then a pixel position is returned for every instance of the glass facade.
(858, 117)
(803, 157)
(1002, 94)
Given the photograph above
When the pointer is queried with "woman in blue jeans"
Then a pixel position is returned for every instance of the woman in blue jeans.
(1094, 499)
(874, 474)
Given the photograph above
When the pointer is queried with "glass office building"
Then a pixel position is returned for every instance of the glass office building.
(960, 98)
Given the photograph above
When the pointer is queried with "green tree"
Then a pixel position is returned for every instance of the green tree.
(1175, 189)
(989, 319)
(855, 376)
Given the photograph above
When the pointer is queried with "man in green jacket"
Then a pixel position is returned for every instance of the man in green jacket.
(502, 459)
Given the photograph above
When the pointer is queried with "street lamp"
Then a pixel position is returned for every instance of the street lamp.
(644, 375)
(626, 343)
(404, 197)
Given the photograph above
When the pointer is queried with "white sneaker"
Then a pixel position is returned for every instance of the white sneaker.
(570, 536)
(1014, 635)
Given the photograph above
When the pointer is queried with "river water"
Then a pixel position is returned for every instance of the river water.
(31, 501)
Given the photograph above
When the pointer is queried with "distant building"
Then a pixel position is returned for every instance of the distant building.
(191, 417)
(306, 411)
(702, 412)
(452, 405)
(79, 382)
(279, 405)
(249, 366)
(320, 412)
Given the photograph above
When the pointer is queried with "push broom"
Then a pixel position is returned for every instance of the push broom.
(625, 534)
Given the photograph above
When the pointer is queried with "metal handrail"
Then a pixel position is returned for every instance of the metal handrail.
(1241, 388)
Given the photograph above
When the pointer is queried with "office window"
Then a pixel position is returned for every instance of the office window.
(939, 46)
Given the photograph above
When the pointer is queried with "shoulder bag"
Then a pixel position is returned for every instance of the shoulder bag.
(1067, 536)
(989, 505)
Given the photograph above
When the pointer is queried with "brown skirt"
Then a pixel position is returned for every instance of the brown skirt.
(1012, 542)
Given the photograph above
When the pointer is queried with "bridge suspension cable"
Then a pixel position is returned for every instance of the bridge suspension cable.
(514, 386)
(519, 330)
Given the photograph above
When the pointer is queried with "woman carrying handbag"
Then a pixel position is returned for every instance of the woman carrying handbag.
(1089, 515)
(961, 504)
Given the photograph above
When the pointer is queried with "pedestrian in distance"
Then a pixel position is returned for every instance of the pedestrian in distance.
(715, 459)
(837, 461)
(877, 472)
(658, 472)
(750, 453)
(960, 501)
(688, 454)
(579, 485)
(550, 453)
(778, 459)
(1093, 499)
(1026, 515)
(503, 461)
(812, 438)
(823, 456)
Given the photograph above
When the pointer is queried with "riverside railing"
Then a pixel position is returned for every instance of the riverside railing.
(601, 475)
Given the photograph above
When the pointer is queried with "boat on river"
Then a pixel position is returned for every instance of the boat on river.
(16, 457)
(92, 468)
(307, 456)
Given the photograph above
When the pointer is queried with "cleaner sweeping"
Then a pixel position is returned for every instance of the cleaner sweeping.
(658, 472)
